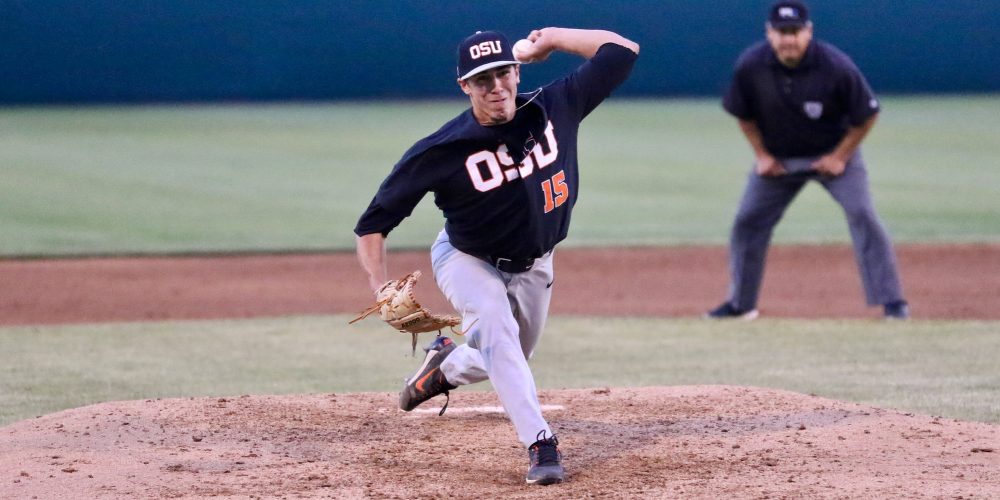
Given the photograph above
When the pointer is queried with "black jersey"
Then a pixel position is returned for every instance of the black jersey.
(506, 190)
(801, 111)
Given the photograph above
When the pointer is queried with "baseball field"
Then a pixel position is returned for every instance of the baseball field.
(176, 281)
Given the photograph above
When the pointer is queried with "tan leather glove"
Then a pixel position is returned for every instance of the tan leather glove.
(397, 305)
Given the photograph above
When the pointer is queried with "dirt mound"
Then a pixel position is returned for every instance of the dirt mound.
(704, 441)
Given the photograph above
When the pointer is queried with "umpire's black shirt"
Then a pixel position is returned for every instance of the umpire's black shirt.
(801, 111)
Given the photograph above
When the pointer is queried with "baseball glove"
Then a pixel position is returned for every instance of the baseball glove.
(397, 305)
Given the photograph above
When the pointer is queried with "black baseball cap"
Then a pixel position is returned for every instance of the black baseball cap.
(482, 51)
(788, 14)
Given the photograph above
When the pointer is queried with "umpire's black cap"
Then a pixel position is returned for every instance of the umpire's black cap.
(482, 51)
(788, 14)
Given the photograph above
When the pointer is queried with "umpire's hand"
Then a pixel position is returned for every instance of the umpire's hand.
(769, 166)
(830, 165)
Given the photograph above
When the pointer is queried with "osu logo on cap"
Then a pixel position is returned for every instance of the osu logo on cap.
(786, 12)
(485, 49)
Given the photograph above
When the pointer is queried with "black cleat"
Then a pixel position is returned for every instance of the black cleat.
(897, 310)
(428, 381)
(545, 461)
(727, 311)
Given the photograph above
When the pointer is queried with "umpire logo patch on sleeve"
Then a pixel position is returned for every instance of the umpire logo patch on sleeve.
(813, 109)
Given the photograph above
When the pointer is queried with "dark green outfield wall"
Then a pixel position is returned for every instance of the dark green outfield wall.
(62, 51)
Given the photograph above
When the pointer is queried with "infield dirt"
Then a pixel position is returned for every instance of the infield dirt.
(653, 442)
(940, 281)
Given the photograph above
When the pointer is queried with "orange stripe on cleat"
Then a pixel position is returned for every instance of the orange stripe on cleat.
(420, 383)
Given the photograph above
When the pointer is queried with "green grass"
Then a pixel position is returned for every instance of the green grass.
(275, 177)
(271, 177)
(938, 368)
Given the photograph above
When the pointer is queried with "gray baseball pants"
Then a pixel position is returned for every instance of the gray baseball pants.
(762, 206)
(505, 314)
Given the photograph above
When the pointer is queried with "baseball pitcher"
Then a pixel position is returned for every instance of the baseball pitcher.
(504, 174)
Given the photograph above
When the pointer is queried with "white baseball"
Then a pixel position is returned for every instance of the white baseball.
(520, 47)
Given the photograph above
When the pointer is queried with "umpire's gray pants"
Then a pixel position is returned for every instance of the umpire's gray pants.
(762, 206)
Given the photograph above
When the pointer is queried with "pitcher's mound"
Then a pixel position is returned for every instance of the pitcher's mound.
(655, 442)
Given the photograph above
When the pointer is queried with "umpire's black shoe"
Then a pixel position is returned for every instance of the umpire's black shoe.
(545, 461)
(897, 310)
(727, 311)
(429, 381)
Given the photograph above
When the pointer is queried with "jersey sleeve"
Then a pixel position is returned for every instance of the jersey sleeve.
(596, 78)
(858, 98)
(738, 99)
(400, 192)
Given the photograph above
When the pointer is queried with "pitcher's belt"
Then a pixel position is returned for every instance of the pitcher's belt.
(508, 265)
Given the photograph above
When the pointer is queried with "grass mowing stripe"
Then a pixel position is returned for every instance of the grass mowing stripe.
(280, 176)
(944, 368)
(939, 368)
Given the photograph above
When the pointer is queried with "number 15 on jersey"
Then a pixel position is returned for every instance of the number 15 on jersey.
(556, 191)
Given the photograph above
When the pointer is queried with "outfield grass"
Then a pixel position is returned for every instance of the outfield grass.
(277, 177)
(272, 177)
(938, 368)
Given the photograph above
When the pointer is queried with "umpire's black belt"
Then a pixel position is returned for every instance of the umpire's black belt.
(509, 265)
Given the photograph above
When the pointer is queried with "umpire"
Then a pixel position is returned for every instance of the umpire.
(804, 107)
